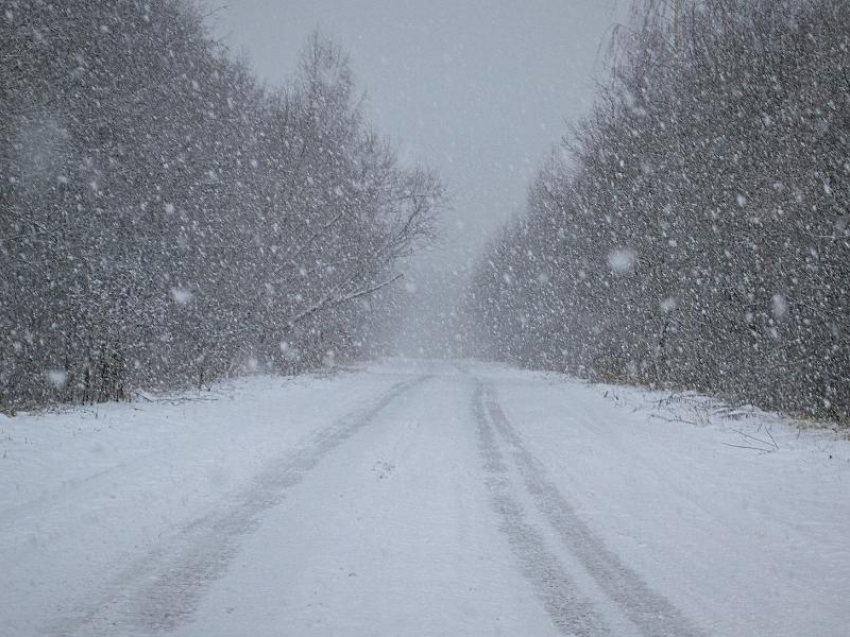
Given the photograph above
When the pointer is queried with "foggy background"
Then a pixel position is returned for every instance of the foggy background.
(479, 90)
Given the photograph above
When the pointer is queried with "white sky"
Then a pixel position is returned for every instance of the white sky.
(479, 90)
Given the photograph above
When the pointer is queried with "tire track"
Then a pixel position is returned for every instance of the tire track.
(570, 610)
(162, 591)
(650, 611)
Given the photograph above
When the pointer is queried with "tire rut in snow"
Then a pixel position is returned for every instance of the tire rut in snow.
(569, 609)
(650, 611)
(162, 590)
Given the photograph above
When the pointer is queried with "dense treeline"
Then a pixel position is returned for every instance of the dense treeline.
(166, 220)
(693, 231)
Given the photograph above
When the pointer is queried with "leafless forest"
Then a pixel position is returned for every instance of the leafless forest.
(693, 231)
(167, 220)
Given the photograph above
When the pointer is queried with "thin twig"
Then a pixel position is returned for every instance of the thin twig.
(747, 447)
(759, 440)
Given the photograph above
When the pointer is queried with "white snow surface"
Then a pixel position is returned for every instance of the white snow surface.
(422, 498)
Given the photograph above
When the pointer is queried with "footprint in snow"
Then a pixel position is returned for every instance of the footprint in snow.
(383, 469)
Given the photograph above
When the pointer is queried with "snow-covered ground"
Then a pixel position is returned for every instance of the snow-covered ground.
(423, 498)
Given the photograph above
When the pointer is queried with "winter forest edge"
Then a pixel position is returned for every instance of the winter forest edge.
(165, 220)
(694, 231)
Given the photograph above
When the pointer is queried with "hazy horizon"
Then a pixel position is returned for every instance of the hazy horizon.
(478, 91)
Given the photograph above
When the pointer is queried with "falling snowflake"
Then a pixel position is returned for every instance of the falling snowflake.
(289, 352)
(57, 377)
(181, 295)
(622, 260)
(669, 304)
(780, 307)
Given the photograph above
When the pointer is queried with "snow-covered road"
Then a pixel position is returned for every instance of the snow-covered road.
(422, 498)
